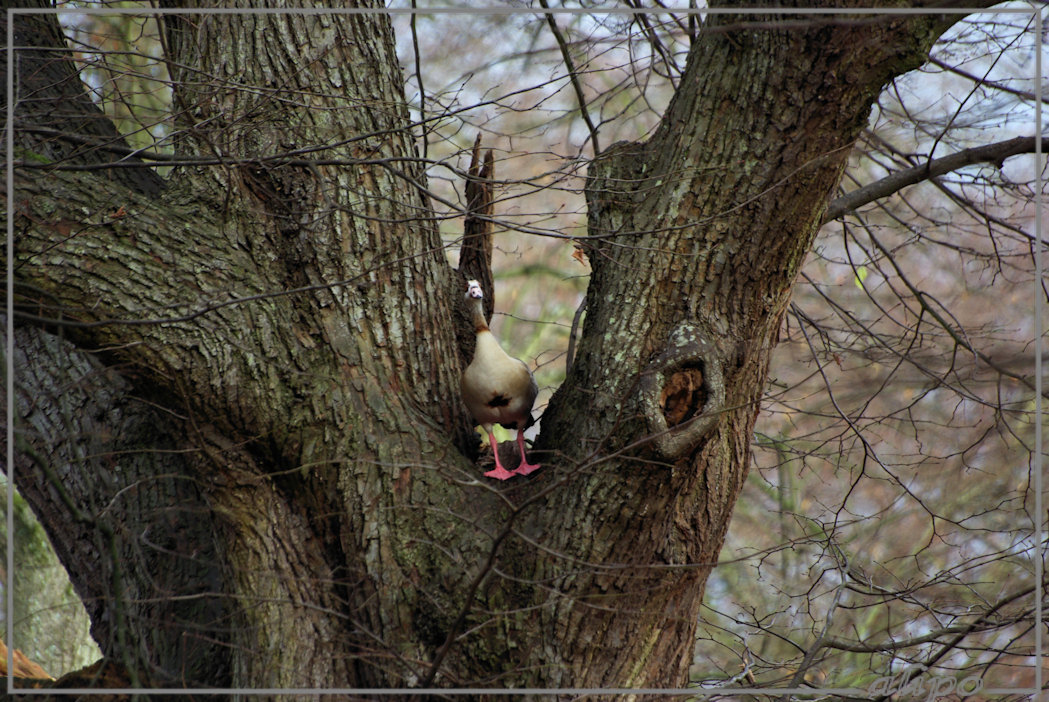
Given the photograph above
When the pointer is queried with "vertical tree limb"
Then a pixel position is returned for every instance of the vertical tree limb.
(475, 256)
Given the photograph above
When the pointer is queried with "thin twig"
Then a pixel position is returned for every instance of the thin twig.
(573, 75)
(419, 81)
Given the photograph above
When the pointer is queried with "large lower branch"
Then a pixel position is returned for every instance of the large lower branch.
(107, 475)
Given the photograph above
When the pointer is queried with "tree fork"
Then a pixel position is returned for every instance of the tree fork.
(330, 411)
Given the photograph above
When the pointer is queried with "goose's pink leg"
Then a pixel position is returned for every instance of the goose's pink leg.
(499, 473)
(524, 468)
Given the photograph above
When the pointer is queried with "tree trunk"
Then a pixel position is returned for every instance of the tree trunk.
(695, 241)
(265, 365)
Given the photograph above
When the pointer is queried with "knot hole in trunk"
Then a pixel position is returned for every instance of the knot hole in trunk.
(683, 390)
(683, 395)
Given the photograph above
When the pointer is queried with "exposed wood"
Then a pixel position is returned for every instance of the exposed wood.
(23, 667)
(475, 254)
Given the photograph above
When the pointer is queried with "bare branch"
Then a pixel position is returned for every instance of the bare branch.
(1025, 94)
(573, 74)
(989, 153)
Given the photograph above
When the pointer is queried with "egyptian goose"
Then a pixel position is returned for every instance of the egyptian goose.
(497, 388)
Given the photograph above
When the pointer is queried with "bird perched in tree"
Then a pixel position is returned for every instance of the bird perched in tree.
(497, 388)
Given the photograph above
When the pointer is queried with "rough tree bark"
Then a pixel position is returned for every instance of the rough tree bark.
(695, 240)
(265, 420)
